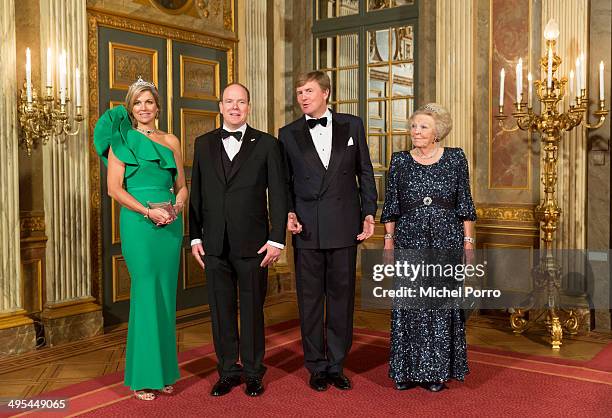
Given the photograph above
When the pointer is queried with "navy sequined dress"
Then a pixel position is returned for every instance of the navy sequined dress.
(428, 345)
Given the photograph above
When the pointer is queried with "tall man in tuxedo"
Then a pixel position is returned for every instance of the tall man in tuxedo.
(233, 168)
(332, 203)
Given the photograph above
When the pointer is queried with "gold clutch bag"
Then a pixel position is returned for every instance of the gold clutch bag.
(167, 206)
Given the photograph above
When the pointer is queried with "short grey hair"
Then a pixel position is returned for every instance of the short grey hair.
(441, 116)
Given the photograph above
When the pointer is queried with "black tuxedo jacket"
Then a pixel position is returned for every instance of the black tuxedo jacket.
(240, 203)
(330, 204)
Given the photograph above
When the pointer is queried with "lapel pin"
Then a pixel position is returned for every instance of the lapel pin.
(252, 139)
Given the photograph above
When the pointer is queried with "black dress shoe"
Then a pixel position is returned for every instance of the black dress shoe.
(254, 386)
(225, 384)
(435, 387)
(318, 381)
(404, 385)
(339, 380)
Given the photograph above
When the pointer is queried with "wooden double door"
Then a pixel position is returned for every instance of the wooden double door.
(189, 78)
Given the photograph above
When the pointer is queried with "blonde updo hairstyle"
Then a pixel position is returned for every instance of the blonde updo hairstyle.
(443, 123)
(136, 90)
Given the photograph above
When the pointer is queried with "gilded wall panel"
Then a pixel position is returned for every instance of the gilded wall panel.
(115, 230)
(32, 276)
(128, 62)
(33, 259)
(186, 211)
(509, 153)
(194, 123)
(507, 225)
(505, 173)
(116, 17)
(193, 275)
(199, 78)
(121, 279)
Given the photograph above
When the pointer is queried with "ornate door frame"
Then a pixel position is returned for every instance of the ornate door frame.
(97, 19)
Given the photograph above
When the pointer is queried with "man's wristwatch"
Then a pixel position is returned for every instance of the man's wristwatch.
(469, 239)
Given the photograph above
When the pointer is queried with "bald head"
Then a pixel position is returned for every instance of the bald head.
(242, 86)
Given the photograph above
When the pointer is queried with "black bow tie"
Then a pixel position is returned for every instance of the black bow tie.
(225, 134)
(314, 122)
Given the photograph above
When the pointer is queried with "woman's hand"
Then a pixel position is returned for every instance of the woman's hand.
(388, 251)
(178, 207)
(468, 252)
(160, 217)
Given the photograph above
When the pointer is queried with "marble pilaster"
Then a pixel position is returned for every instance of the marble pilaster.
(66, 173)
(256, 63)
(16, 329)
(571, 190)
(454, 70)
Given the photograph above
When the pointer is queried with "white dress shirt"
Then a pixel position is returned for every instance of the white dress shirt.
(231, 144)
(322, 138)
(232, 147)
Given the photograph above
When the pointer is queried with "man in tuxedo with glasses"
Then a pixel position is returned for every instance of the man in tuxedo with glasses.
(237, 175)
(332, 203)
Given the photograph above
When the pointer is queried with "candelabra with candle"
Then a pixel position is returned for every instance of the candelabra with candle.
(550, 123)
(41, 118)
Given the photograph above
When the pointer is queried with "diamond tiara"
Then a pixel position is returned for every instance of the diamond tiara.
(431, 107)
(141, 82)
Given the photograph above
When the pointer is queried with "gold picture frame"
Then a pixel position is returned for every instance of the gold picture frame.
(189, 65)
(188, 137)
(115, 229)
(196, 280)
(135, 69)
(120, 293)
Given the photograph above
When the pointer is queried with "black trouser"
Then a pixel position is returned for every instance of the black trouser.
(224, 274)
(325, 281)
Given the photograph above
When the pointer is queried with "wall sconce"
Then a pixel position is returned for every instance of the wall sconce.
(41, 118)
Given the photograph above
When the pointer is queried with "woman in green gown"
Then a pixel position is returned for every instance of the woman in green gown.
(145, 166)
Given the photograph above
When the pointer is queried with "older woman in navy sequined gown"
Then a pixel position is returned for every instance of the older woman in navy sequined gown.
(428, 206)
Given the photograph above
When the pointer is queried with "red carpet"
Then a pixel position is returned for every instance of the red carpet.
(499, 384)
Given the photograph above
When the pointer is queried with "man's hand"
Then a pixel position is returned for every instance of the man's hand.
(272, 254)
(293, 225)
(198, 252)
(368, 228)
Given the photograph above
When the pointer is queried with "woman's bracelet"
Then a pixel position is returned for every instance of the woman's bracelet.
(388, 236)
(469, 239)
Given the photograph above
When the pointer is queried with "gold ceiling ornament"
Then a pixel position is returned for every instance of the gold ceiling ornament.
(46, 117)
(550, 123)
(206, 7)
(31, 223)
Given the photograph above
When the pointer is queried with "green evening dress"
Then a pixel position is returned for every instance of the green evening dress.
(151, 253)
